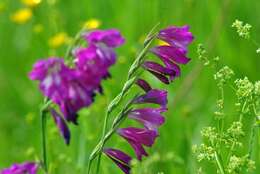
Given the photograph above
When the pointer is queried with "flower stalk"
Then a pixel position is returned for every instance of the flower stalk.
(43, 115)
(219, 164)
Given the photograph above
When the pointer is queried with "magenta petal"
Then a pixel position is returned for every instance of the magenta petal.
(138, 137)
(61, 124)
(24, 168)
(121, 159)
(78, 95)
(151, 118)
(143, 84)
(160, 71)
(64, 86)
(163, 78)
(94, 60)
(177, 36)
(53, 76)
(112, 37)
(158, 68)
(177, 55)
(155, 96)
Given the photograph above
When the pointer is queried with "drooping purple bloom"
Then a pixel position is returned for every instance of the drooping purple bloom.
(121, 159)
(93, 67)
(53, 75)
(151, 118)
(95, 60)
(160, 71)
(100, 56)
(79, 95)
(111, 38)
(61, 124)
(101, 46)
(171, 54)
(63, 86)
(24, 168)
(179, 37)
(138, 138)
(154, 96)
(143, 84)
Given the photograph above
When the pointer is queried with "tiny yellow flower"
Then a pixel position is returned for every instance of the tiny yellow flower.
(22, 16)
(162, 43)
(58, 40)
(38, 28)
(31, 3)
(92, 24)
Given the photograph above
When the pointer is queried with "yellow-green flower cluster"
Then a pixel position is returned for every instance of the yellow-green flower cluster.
(236, 164)
(243, 30)
(245, 88)
(201, 51)
(224, 75)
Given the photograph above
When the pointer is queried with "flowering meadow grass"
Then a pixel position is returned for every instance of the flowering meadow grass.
(210, 124)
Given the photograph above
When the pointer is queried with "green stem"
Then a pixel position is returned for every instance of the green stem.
(103, 135)
(219, 164)
(116, 123)
(251, 141)
(44, 149)
(253, 133)
(43, 115)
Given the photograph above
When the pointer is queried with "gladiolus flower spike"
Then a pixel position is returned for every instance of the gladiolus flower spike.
(172, 55)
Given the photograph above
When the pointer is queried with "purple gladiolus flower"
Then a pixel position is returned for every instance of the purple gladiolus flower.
(53, 75)
(155, 96)
(121, 159)
(63, 86)
(95, 60)
(101, 45)
(179, 37)
(24, 168)
(78, 95)
(151, 118)
(92, 66)
(111, 38)
(160, 71)
(61, 124)
(172, 54)
(138, 138)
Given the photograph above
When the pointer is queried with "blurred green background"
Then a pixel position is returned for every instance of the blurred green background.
(44, 27)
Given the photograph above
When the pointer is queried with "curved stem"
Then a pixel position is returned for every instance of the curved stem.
(131, 78)
(103, 135)
(75, 41)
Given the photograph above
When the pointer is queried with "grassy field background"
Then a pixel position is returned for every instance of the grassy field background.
(191, 100)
